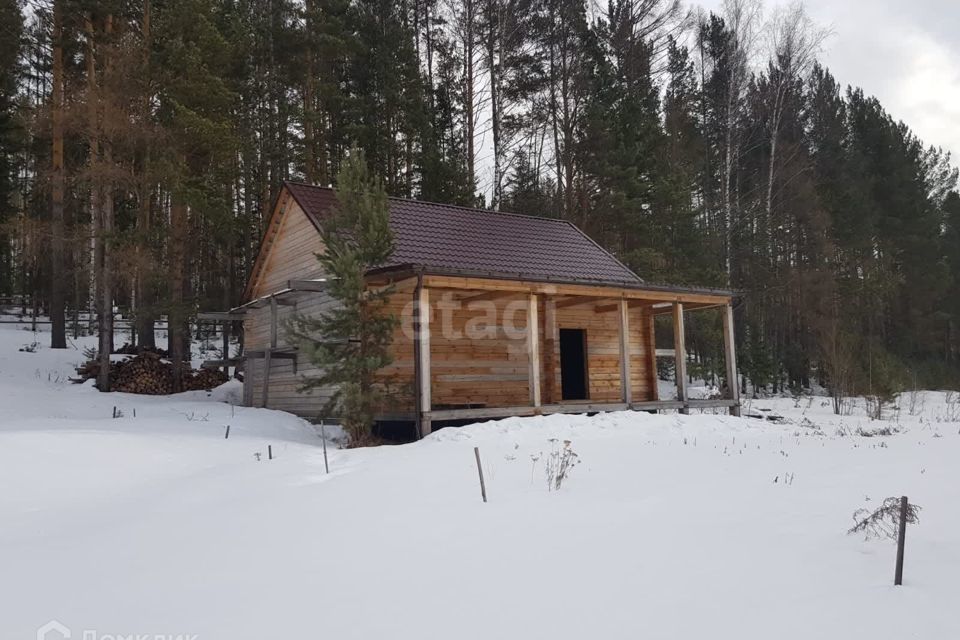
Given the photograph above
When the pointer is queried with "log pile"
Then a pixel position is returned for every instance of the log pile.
(132, 350)
(147, 373)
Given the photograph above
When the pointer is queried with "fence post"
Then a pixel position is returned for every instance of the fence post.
(901, 541)
(323, 437)
(483, 487)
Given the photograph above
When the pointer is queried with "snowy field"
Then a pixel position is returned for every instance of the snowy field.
(691, 527)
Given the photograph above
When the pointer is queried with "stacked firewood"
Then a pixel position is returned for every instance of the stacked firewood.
(147, 373)
(133, 350)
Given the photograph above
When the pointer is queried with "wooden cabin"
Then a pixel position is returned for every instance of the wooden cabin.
(500, 315)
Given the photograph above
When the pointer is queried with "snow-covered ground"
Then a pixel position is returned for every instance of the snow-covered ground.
(700, 526)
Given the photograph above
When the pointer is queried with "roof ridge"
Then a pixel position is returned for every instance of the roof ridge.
(443, 204)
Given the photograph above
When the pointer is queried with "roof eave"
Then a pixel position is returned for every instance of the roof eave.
(409, 270)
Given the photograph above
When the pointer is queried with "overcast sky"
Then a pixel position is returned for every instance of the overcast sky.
(904, 52)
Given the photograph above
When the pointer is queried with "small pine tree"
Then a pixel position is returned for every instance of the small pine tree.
(351, 342)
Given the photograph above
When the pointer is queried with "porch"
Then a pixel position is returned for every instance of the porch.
(524, 360)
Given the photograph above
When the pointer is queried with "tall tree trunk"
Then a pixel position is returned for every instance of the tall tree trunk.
(58, 326)
(145, 316)
(469, 89)
(95, 247)
(103, 184)
(177, 317)
(555, 110)
(96, 203)
(106, 282)
(494, 38)
(309, 108)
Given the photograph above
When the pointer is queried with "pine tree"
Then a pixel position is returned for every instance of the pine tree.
(351, 343)
(58, 338)
(11, 134)
(195, 104)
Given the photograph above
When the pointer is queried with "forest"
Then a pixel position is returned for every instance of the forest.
(142, 143)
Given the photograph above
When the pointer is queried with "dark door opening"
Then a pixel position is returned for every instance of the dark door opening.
(573, 364)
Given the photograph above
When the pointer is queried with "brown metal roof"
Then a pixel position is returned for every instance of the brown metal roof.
(446, 238)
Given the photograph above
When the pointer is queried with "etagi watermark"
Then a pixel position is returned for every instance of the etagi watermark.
(454, 319)
(55, 630)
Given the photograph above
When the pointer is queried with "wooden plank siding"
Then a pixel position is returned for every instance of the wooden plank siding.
(291, 254)
(283, 389)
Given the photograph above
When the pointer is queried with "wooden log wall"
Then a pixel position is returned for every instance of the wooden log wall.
(603, 351)
(465, 369)
(493, 370)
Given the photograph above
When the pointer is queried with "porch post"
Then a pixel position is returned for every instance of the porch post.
(533, 349)
(680, 355)
(550, 340)
(422, 337)
(225, 330)
(274, 315)
(625, 391)
(265, 393)
(730, 358)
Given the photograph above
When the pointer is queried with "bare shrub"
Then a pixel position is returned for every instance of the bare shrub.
(884, 521)
(915, 401)
(560, 461)
(879, 431)
(952, 411)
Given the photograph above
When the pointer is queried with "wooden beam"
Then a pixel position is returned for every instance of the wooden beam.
(551, 338)
(626, 393)
(608, 308)
(652, 377)
(282, 353)
(287, 353)
(216, 364)
(273, 322)
(587, 407)
(595, 291)
(307, 285)
(482, 412)
(574, 301)
(265, 393)
(656, 405)
(507, 412)
(730, 358)
(479, 413)
(423, 359)
(226, 348)
(689, 306)
(680, 353)
(221, 316)
(533, 349)
(247, 384)
(483, 295)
